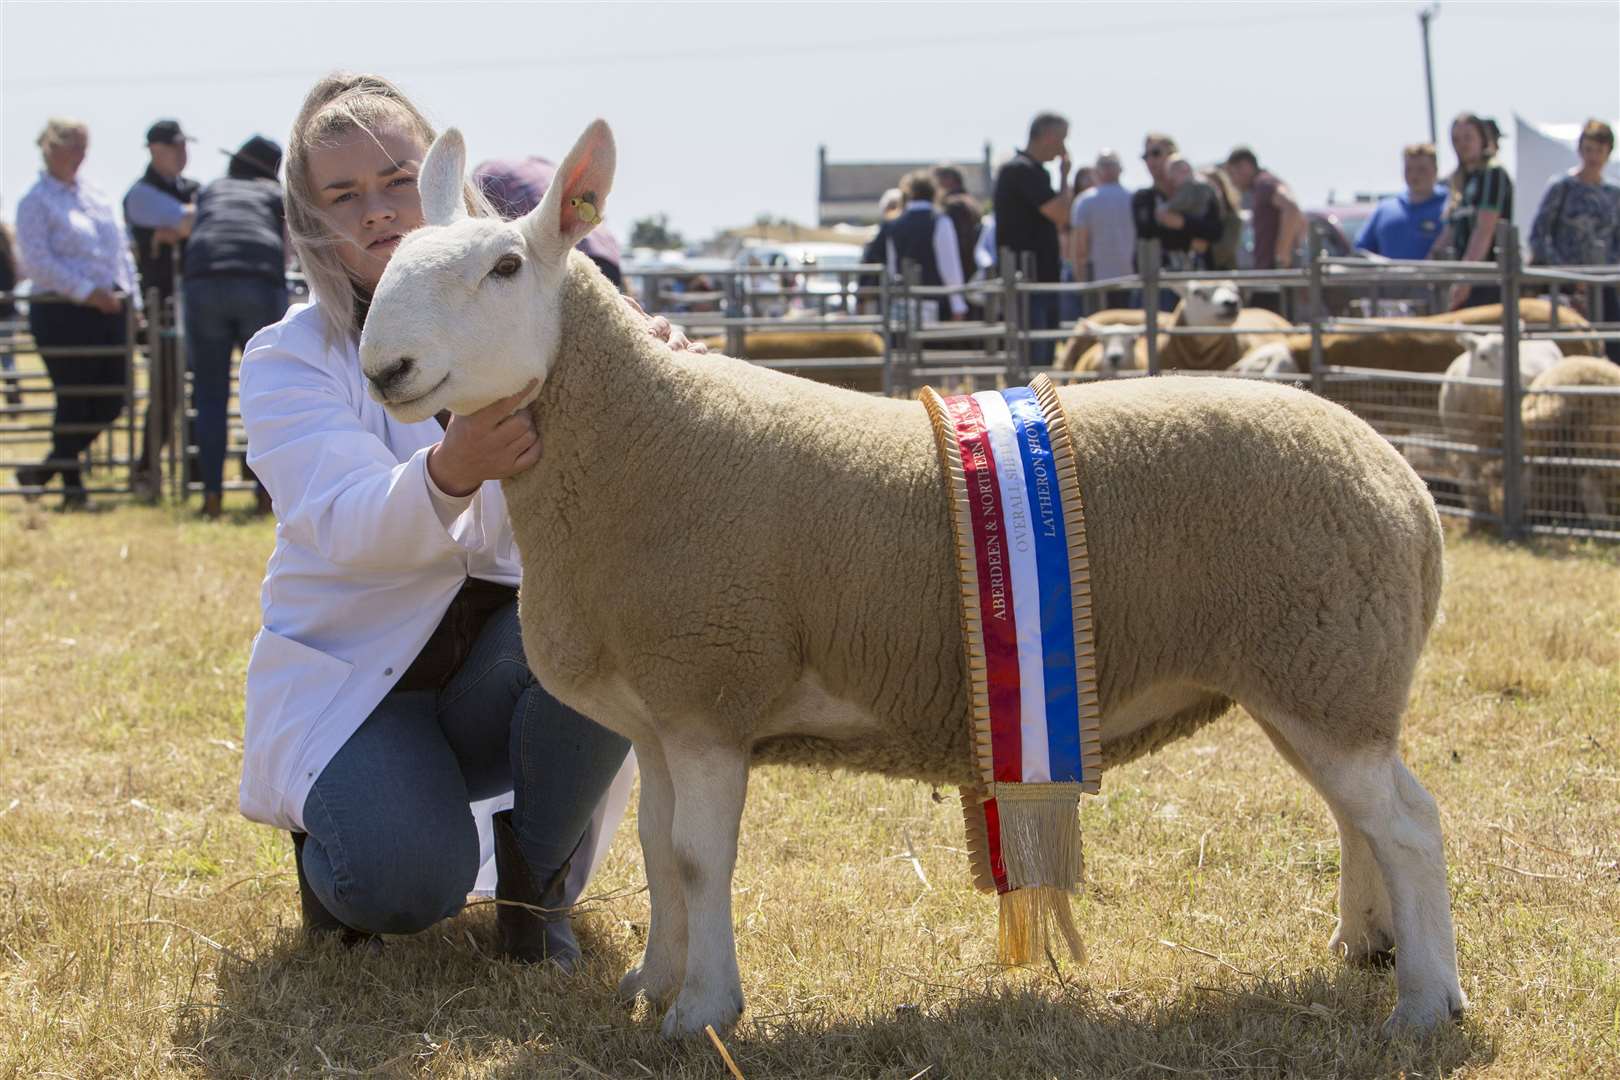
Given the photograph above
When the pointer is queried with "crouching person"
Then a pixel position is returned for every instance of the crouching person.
(388, 690)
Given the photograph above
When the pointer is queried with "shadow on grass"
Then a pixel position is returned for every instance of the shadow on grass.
(437, 1004)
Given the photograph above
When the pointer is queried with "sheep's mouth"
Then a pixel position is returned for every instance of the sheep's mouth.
(429, 392)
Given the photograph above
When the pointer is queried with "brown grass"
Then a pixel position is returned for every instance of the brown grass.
(146, 929)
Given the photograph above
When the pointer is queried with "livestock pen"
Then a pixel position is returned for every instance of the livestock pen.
(860, 327)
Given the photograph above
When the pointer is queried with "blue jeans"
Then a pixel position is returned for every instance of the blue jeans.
(392, 847)
(221, 314)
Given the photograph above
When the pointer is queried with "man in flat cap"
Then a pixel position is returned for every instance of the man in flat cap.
(159, 209)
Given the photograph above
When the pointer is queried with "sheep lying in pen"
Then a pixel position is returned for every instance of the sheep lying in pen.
(1471, 408)
(731, 565)
(1216, 304)
(1581, 424)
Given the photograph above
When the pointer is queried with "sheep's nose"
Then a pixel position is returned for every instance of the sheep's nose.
(393, 374)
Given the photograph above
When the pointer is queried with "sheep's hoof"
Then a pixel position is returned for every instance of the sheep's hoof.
(1416, 1015)
(693, 1012)
(642, 980)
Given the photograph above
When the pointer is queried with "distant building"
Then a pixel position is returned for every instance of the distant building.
(847, 192)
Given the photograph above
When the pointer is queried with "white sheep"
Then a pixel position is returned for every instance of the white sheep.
(1581, 422)
(731, 565)
(1470, 407)
(1271, 359)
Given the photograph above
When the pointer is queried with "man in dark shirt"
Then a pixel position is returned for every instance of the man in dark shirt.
(1029, 212)
(235, 284)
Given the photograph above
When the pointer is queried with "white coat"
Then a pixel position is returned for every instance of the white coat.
(363, 569)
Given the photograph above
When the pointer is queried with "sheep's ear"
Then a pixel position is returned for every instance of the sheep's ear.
(577, 198)
(1474, 342)
(441, 179)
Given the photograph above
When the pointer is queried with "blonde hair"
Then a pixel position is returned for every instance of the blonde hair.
(59, 130)
(1421, 149)
(340, 103)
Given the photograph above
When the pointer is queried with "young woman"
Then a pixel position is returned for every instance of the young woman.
(388, 689)
(1481, 196)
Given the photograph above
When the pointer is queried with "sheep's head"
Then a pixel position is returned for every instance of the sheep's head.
(1118, 343)
(1210, 303)
(468, 309)
(1484, 355)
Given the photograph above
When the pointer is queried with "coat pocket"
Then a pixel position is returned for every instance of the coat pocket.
(289, 686)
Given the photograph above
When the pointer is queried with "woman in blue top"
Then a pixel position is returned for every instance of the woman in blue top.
(1578, 222)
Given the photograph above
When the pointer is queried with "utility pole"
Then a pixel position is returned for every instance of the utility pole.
(1424, 18)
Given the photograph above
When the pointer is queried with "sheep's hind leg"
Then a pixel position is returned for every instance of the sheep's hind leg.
(1372, 791)
(711, 783)
(663, 961)
(1365, 934)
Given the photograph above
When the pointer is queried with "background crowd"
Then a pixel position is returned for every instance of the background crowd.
(1082, 225)
(222, 250)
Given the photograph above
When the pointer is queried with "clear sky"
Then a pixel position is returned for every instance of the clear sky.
(719, 108)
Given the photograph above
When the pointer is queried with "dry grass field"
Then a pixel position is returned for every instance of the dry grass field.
(147, 930)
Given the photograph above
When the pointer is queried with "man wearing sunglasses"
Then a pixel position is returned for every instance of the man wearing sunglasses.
(1154, 220)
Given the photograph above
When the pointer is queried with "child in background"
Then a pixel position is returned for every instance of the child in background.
(1191, 198)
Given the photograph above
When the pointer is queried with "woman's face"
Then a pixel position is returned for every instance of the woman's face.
(365, 184)
(1594, 154)
(1466, 141)
(64, 158)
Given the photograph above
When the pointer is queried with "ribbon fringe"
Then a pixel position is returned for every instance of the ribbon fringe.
(1023, 839)
(1028, 919)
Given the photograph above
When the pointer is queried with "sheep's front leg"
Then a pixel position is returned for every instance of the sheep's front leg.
(710, 782)
(663, 961)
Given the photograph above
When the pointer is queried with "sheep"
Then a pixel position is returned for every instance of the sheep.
(1203, 303)
(1272, 359)
(731, 565)
(1585, 425)
(1113, 350)
(1433, 350)
(1470, 406)
(1088, 330)
(777, 346)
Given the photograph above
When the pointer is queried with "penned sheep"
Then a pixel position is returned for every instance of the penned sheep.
(731, 565)
(1401, 349)
(1573, 426)
(1471, 407)
(1214, 304)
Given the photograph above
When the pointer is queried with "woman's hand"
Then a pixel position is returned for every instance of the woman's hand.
(491, 444)
(104, 301)
(660, 328)
(1458, 295)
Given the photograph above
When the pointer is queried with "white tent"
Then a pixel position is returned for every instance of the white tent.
(1545, 152)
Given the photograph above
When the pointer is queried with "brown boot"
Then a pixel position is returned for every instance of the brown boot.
(533, 927)
(213, 505)
(318, 922)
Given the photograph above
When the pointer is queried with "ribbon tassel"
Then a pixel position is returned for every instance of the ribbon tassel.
(1028, 640)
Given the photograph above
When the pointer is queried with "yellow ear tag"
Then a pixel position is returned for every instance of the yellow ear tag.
(585, 209)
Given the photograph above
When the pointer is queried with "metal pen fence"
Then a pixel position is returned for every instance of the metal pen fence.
(1517, 457)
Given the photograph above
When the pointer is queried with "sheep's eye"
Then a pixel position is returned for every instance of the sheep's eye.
(507, 265)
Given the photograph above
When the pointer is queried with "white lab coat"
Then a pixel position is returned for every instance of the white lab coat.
(364, 568)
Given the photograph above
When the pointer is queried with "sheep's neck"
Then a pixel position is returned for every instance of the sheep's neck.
(610, 397)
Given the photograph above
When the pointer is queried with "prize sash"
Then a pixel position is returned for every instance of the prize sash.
(1016, 512)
